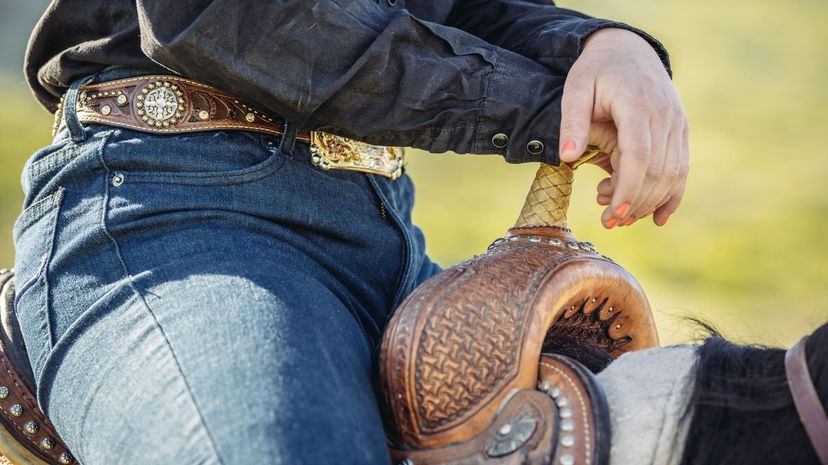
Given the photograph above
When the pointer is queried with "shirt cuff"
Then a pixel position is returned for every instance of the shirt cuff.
(561, 44)
(507, 126)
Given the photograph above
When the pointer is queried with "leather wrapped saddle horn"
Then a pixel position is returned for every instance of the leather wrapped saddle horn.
(461, 364)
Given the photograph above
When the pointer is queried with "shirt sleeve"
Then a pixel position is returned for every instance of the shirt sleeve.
(538, 29)
(360, 70)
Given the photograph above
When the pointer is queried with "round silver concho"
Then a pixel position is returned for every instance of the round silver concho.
(160, 104)
(511, 436)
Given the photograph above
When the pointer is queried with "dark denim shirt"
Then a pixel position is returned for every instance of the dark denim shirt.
(440, 75)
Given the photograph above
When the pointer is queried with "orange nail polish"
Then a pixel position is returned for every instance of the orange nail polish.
(568, 147)
(664, 221)
(611, 223)
(622, 210)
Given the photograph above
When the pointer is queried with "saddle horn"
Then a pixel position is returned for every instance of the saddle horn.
(467, 344)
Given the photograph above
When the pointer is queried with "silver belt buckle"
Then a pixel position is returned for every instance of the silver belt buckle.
(332, 152)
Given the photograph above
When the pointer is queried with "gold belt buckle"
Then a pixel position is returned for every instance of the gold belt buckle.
(332, 152)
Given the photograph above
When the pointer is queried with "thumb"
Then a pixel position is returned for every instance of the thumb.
(576, 117)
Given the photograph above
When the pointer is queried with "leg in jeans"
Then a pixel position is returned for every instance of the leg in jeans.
(218, 365)
(209, 298)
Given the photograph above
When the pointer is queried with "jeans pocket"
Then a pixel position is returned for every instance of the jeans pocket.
(41, 167)
(34, 233)
(211, 158)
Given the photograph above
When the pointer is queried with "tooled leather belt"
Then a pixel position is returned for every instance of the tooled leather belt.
(167, 104)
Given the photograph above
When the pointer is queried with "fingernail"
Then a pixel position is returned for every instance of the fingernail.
(629, 221)
(568, 147)
(622, 210)
(664, 221)
(611, 223)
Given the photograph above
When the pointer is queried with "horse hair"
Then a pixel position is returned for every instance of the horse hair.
(741, 408)
(587, 351)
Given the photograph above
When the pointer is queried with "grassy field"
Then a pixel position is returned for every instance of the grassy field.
(745, 251)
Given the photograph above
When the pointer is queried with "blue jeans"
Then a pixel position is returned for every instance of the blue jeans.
(209, 298)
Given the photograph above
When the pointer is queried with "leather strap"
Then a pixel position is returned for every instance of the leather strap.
(26, 435)
(582, 408)
(805, 396)
(165, 104)
(564, 420)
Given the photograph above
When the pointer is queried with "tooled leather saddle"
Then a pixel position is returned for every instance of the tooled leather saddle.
(468, 364)
(467, 370)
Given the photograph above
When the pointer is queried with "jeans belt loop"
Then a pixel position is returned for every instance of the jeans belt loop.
(288, 141)
(67, 110)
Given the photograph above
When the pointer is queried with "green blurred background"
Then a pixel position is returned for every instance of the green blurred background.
(745, 250)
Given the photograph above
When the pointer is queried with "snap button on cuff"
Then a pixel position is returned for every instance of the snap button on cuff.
(535, 147)
(500, 140)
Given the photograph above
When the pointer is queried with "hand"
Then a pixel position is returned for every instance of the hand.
(618, 91)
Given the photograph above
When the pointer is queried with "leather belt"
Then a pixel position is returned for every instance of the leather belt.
(168, 104)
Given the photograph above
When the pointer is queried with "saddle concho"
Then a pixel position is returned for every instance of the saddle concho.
(332, 152)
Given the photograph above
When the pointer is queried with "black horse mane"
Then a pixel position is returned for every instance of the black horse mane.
(741, 407)
(743, 411)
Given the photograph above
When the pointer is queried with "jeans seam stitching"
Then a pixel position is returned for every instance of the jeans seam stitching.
(46, 206)
(140, 296)
(408, 252)
(52, 161)
(272, 159)
(49, 257)
(274, 164)
(35, 211)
